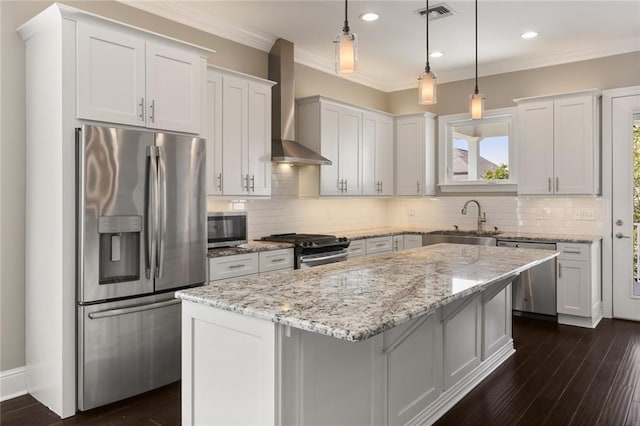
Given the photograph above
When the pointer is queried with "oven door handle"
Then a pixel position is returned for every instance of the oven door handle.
(309, 260)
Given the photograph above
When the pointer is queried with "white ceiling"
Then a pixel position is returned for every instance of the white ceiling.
(392, 49)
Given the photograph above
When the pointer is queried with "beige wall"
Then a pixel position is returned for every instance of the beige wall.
(501, 89)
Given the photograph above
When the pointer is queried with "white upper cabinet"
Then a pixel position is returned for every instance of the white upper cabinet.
(415, 154)
(558, 144)
(213, 131)
(238, 134)
(338, 137)
(128, 77)
(377, 154)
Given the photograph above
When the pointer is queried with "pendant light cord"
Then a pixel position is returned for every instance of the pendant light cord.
(427, 68)
(345, 29)
(476, 88)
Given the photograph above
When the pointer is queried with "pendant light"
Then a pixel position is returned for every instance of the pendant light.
(346, 48)
(427, 80)
(476, 100)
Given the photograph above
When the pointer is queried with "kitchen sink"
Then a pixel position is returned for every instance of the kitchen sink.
(482, 238)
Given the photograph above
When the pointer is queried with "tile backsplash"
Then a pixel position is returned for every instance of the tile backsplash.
(284, 212)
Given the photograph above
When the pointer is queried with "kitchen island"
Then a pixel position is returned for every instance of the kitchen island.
(389, 339)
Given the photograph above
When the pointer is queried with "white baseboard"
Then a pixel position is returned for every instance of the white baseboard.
(13, 383)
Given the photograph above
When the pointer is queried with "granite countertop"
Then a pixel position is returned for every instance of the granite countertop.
(503, 235)
(358, 299)
(250, 247)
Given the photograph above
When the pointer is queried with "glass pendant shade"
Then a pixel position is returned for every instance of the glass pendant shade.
(476, 105)
(346, 53)
(427, 88)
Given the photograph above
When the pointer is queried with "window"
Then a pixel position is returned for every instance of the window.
(477, 155)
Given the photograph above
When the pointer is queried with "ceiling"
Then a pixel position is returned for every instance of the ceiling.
(392, 49)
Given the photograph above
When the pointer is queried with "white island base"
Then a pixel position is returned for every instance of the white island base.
(238, 369)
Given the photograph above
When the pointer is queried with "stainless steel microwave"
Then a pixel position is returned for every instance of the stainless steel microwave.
(226, 229)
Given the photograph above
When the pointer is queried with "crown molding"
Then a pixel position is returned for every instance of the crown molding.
(183, 13)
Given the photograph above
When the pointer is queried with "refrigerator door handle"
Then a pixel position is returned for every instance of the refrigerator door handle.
(138, 308)
(151, 210)
(162, 212)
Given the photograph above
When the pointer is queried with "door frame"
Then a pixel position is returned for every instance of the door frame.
(607, 189)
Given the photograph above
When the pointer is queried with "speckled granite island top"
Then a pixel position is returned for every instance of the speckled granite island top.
(250, 247)
(360, 298)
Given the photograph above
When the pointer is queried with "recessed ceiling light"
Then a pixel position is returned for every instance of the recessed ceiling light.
(529, 34)
(436, 54)
(369, 16)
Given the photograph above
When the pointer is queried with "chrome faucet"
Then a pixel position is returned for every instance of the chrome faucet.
(482, 217)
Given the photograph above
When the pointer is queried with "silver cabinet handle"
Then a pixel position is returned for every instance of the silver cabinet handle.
(153, 111)
(559, 270)
(621, 235)
(236, 266)
(253, 183)
(549, 184)
(281, 259)
(557, 184)
(381, 244)
(141, 109)
(380, 186)
(132, 309)
(417, 187)
(340, 185)
(246, 183)
(220, 181)
(346, 185)
(572, 251)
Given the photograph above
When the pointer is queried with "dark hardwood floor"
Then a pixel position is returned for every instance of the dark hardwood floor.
(559, 375)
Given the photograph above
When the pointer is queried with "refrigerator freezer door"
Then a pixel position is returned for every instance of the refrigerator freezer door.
(182, 230)
(112, 224)
(126, 348)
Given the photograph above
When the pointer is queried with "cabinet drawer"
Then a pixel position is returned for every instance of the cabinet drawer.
(379, 245)
(276, 259)
(570, 251)
(412, 241)
(357, 248)
(222, 268)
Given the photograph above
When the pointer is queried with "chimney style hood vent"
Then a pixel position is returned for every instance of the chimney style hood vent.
(283, 147)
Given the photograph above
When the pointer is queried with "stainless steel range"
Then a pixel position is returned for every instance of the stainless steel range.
(314, 249)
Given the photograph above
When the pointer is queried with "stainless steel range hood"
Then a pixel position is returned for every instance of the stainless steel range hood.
(283, 147)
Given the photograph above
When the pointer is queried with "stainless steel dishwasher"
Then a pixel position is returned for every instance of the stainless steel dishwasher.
(534, 291)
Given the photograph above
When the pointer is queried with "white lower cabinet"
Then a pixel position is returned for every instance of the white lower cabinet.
(398, 242)
(276, 260)
(250, 264)
(411, 241)
(238, 265)
(579, 295)
(379, 245)
(357, 248)
(410, 374)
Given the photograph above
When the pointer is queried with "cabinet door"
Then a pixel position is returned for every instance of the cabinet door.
(259, 134)
(329, 132)
(573, 129)
(377, 154)
(234, 135)
(535, 148)
(369, 128)
(174, 83)
(349, 149)
(213, 132)
(111, 75)
(412, 241)
(574, 287)
(409, 163)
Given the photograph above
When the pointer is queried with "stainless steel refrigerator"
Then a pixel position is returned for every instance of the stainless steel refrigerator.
(141, 235)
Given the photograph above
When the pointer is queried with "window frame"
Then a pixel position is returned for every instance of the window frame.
(446, 125)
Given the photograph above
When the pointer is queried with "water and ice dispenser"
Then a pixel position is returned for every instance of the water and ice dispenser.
(119, 248)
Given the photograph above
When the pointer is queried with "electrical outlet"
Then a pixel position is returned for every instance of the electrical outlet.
(585, 214)
(411, 212)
